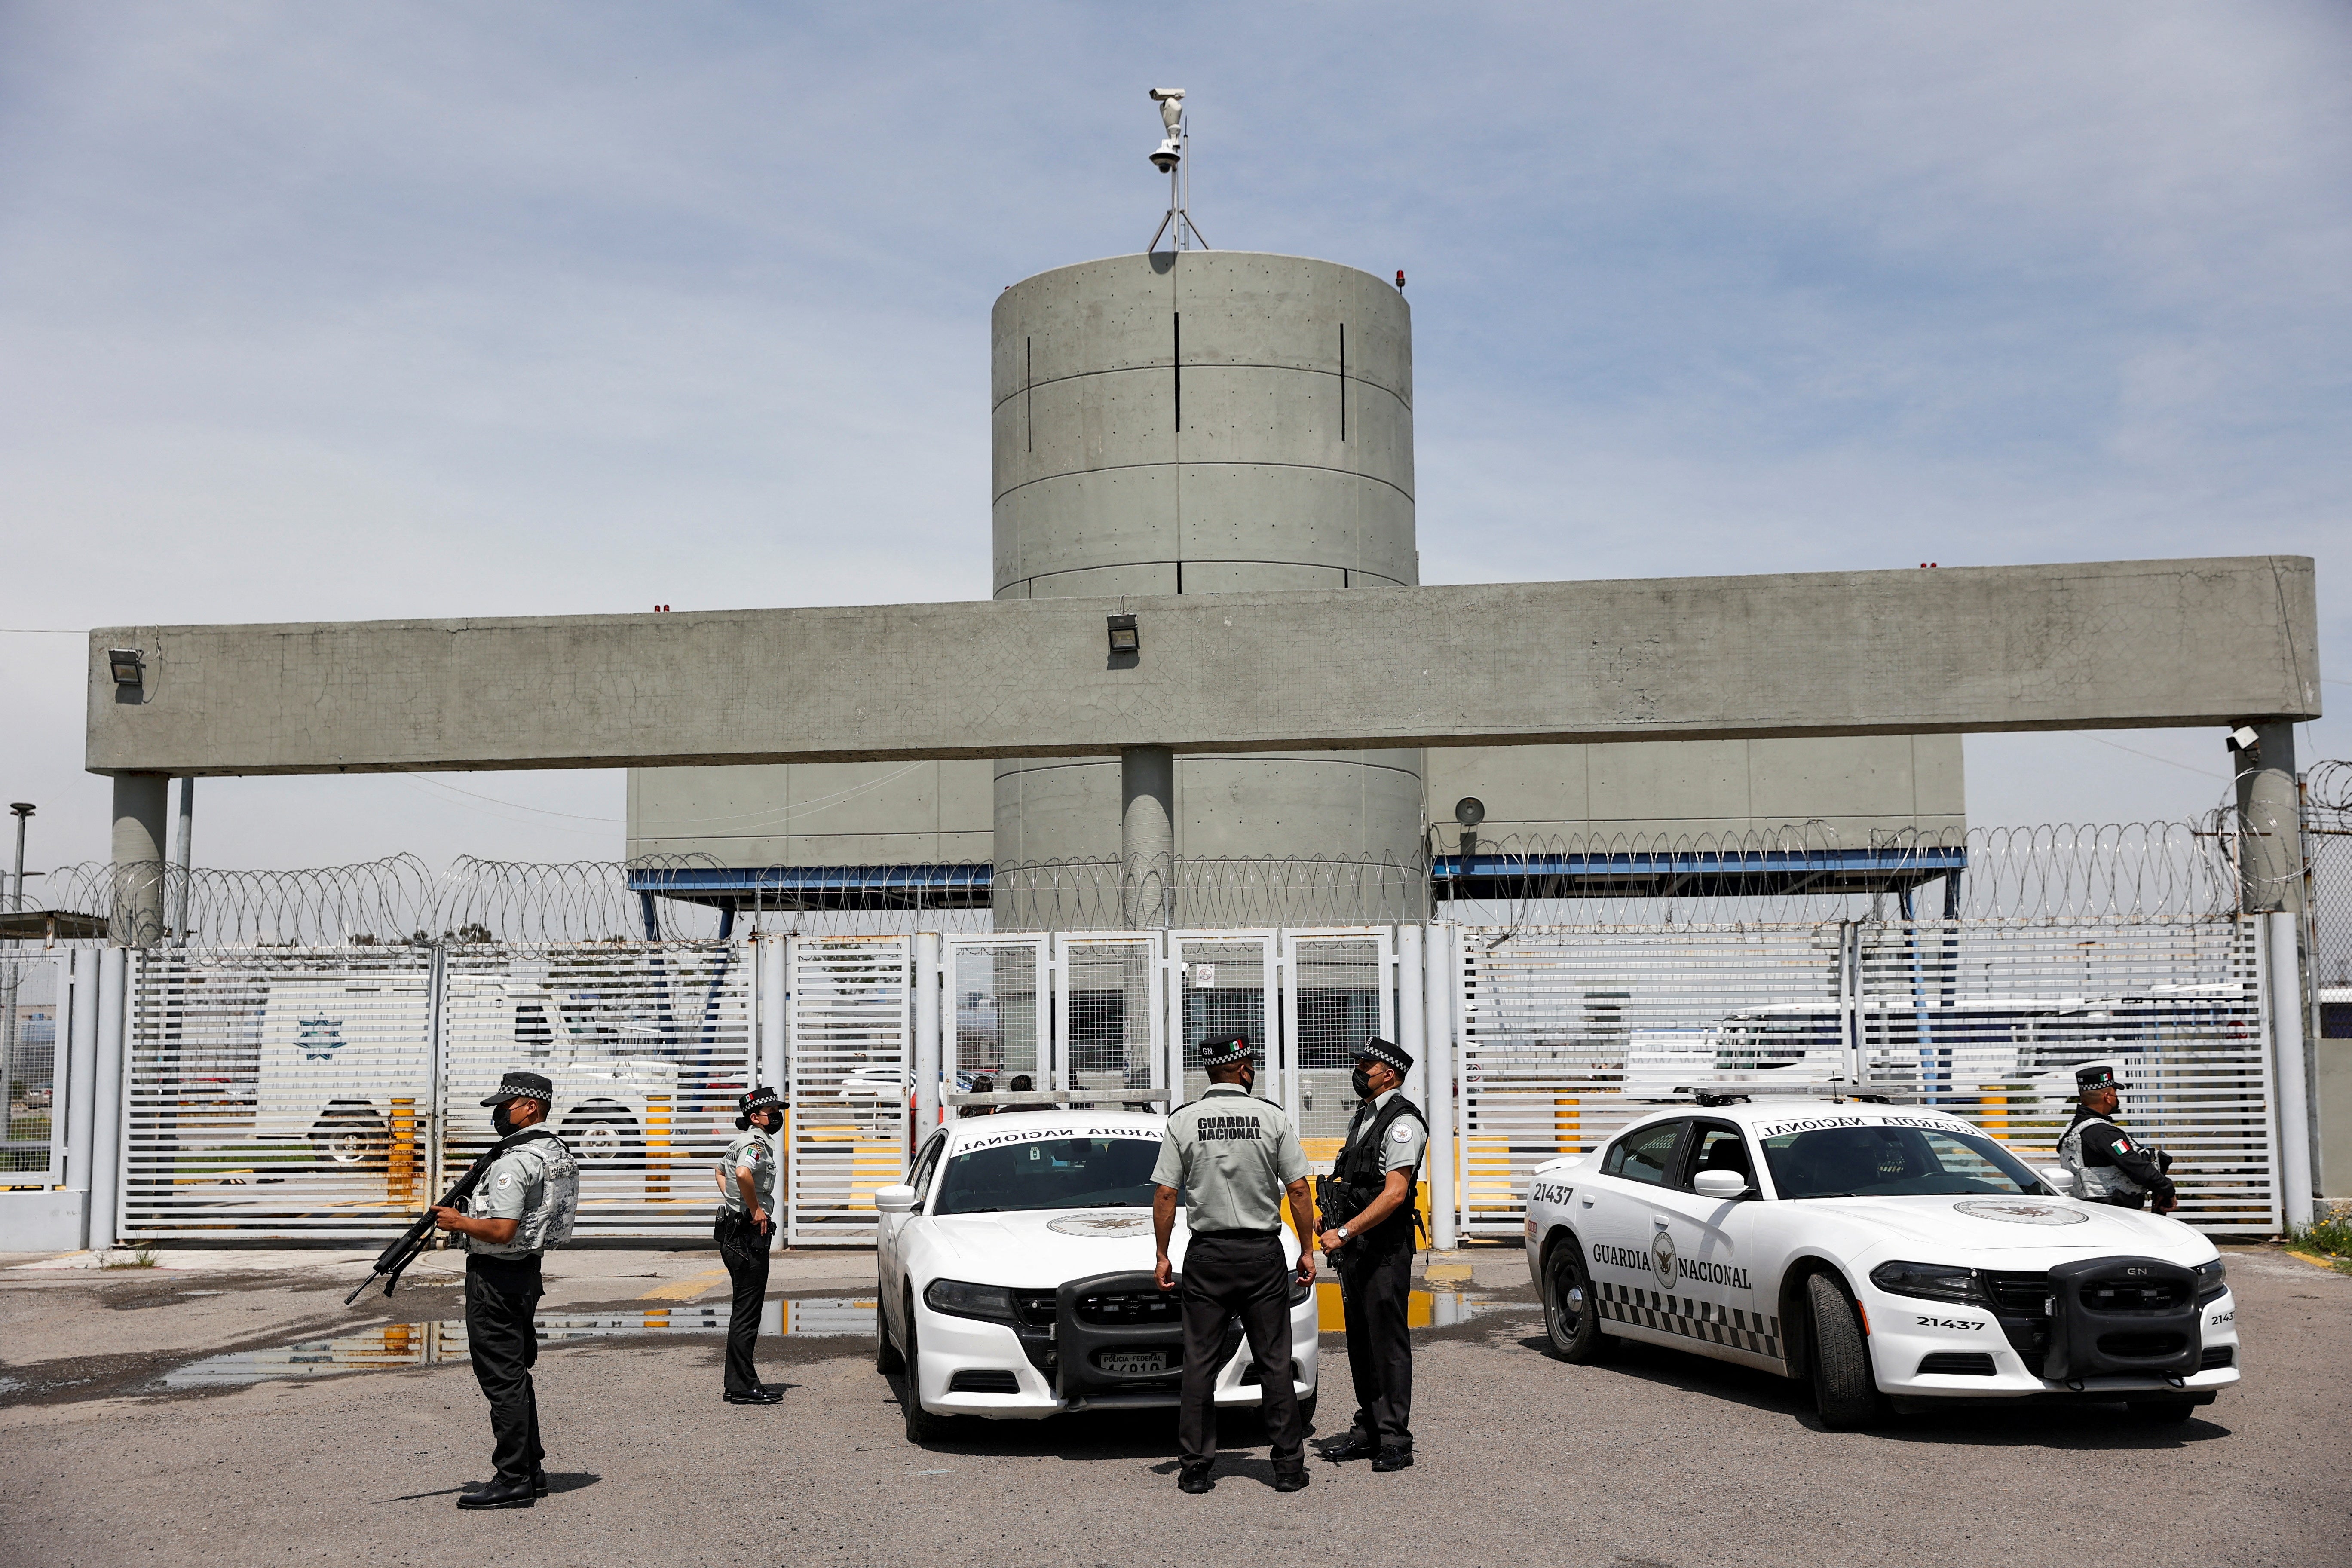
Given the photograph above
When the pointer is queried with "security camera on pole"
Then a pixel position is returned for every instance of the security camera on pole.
(1169, 159)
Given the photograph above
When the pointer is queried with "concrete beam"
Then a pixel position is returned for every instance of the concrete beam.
(2111, 645)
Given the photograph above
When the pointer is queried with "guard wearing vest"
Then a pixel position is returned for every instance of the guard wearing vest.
(1369, 1219)
(2111, 1166)
(526, 1202)
(745, 1225)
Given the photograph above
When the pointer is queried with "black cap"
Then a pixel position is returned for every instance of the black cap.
(1225, 1051)
(1375, 1049)
(2098, 1075)
(523, 1085)
(760, 1098)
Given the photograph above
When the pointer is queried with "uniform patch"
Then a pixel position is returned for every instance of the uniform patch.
(506, 1179)
(1400, 1133)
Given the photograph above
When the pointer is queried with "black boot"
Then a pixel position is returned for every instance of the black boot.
(754, 1395)
(1392, 1458)
(539, 1483)
(499, 1493)
(1290, 1479)
(1195, 1479)
(1354, 1446)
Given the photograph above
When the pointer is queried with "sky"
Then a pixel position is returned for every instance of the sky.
(326, 312)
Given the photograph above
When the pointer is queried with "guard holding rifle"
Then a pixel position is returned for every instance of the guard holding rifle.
(1234, 1156)
(2110, 1166)
(1369, 1219)
(746, 1222)
(524, 1202)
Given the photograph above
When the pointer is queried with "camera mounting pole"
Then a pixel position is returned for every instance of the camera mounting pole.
(1169, 158)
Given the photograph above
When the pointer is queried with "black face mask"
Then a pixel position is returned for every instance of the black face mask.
(502, 1118)
(1362, 1080)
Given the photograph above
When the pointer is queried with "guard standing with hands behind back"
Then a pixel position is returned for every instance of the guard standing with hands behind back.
(746, 1221)
(1234, 1156)
(1367, 1221)
(2109, 1166)
(526, 1202)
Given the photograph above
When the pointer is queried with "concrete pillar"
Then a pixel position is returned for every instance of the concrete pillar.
(139, 802)
(2270, 814)
(1442, 979)
(81, 1073)
(106, 1101)
(183, 860)
(1147, 822)
(2291, 1064)
(928, 1043)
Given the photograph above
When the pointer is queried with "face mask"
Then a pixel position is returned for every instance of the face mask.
(1362, 1080)
(1249, 1083)
(502, 1120)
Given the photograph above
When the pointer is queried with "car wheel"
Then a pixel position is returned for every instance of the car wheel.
(604, 1140)
(1571, 1320)
(922, 1426)
(2161, 1412)
(349, 1139)
(887, 1359)
(1844, 1390)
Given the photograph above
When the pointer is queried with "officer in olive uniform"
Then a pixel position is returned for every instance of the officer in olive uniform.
(1234, 1156)
(2110, 1166)
(1371, 1238)
(524, 1204)
(747, 1192)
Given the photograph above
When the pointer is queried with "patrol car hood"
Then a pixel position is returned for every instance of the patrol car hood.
(2016, 1224)
(1038, 1247)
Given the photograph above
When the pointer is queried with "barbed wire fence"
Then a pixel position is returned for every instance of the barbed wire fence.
(2328, 840)
(1801, 874)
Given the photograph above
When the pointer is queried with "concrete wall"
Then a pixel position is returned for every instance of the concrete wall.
(848, 814)
(1210, 422)
(1854, 786)
(43, 1219)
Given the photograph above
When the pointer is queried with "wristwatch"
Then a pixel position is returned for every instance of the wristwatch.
(1342, 1232)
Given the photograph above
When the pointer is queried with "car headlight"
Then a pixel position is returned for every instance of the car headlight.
(959, 1300)
(2212, 1280)
(1936, 1281)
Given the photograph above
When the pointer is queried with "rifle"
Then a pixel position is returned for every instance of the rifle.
(394, 1260)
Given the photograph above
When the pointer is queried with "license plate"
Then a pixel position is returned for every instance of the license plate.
(1132, 1361)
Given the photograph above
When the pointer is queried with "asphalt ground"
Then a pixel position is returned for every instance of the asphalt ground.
(1650, 1459)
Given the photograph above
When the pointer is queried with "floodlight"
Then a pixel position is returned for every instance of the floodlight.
(129, 665)
(1469, 811)
(2244, 739)
(1124, 638)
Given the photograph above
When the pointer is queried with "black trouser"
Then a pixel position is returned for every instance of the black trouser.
(501, 1294)
(1226, 1275)
(1375, 1280)
(745, 1252)
(2124, 1200)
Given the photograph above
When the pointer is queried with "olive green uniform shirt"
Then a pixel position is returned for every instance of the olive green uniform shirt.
(752, 1148)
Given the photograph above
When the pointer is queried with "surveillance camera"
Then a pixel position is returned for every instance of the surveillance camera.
(1162, 94)
(2243, 738)
(1166, 156)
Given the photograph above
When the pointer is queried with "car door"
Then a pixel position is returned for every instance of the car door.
(1706, 1248)
(1613, 1215)
(890, 1230)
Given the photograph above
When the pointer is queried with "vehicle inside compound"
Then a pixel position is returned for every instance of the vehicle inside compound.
(1894, 1162)
(1050, 1173)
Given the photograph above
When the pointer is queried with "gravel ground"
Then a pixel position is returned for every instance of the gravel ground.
(1654, 1458)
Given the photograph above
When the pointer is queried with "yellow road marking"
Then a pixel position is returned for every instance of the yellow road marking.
(685, 1290)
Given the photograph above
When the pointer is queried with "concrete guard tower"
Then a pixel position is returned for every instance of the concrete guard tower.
(1201, 422)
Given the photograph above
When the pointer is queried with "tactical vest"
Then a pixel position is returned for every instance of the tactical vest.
(1360, 1179)
(548, 1223)
(2094, 1181)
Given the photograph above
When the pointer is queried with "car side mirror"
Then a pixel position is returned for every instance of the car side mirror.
(1719, 1184)
(894, 1200)
(2059, 1179)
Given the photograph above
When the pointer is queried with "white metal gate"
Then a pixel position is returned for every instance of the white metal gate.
(1108, 995)
(32, 1076)
(850, 1033)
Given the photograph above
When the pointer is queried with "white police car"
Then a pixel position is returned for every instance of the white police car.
(1891, 1255)
(1015, 1276)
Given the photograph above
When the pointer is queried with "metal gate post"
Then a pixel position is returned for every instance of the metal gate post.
(788, 1188)
(81, 1077)
(1849, 988)
(1440, 993)
(928, 1049)
(773, 990)
(436, 1058)
(2283, 988)
(1168, 1017)
(108, 1124)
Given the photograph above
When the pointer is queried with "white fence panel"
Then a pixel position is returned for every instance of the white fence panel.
(851, 1054)
(1339, 988)
(649, 1047)
(1228, 983)
(1109, 1031)
(32, 1070)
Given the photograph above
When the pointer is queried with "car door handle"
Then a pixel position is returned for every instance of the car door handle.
(1661, 1221)
(1588, 1203)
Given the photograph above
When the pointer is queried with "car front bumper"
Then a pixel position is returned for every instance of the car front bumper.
(949, 1345)
(1904, 1331)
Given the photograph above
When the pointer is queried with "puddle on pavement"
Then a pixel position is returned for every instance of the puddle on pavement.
(396, 1345)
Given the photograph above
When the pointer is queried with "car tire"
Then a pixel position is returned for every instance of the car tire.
(603, 1142)
(1843, 1389)
(349, 1138)
(1571, 1324)
(887, 1359)
(922, 1426)
(2161, 1412)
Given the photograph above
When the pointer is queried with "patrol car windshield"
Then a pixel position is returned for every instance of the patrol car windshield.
(1891, 1162)
(1050, 1173)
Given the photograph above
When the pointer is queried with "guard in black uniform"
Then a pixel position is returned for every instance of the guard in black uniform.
(525, 1204)
(1369, 1219)
(745, 1226)
(2110, 1165)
